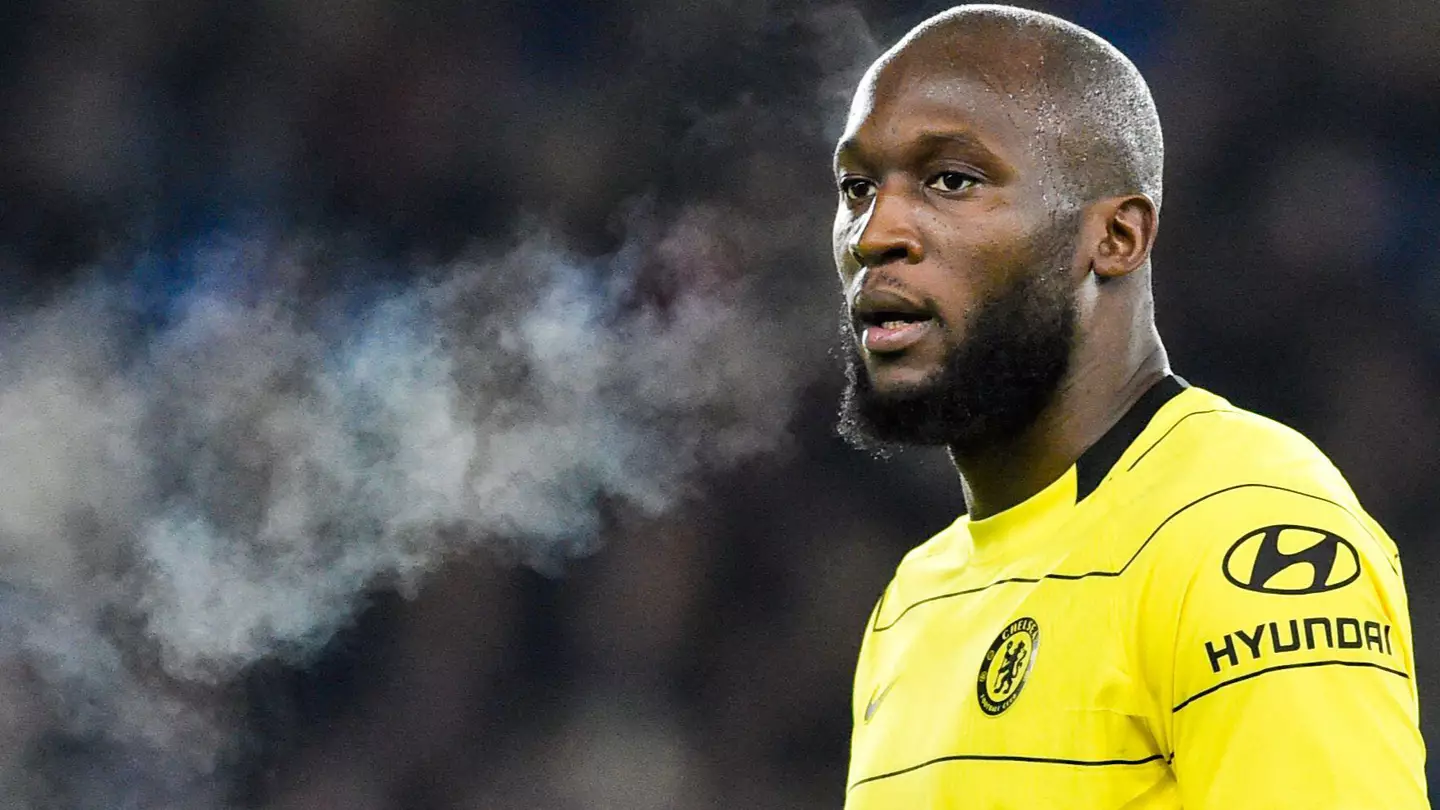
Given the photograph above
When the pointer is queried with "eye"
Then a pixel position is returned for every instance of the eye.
(854, 189)
(952, 181)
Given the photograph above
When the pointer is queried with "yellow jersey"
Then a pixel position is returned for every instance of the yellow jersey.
(1197, 614)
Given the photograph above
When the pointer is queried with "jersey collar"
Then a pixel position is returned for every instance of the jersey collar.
(1095, 463)
(1012, 532)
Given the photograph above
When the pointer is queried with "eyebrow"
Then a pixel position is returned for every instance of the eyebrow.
(926, 143)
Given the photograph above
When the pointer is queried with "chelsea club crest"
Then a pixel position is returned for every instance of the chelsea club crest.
(1006, 665)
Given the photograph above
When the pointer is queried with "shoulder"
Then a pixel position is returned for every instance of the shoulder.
(944, 541)
(1201, 441)
(1252, 531)
(1240, 511)
(1214, 474)
(923, 572)
(927, 568)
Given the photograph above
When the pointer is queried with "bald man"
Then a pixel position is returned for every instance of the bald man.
(1156, 599)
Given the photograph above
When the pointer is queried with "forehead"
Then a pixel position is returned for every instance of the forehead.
(901, 104)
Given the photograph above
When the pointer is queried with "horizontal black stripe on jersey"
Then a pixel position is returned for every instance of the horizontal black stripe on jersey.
(1278, 667)
(876, 628)
(1086, 763)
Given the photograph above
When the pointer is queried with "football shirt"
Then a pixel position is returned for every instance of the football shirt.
(1198, 614)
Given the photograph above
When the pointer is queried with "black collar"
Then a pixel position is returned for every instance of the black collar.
(1096, 462)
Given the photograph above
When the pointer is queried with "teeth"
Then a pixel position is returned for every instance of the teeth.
(893, 324)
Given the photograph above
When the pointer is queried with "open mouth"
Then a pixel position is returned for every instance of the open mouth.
(888, 331)
(889, 319)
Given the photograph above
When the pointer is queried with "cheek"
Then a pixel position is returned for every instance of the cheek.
(954, 292)
(976, 272)
(840, 245)
(996, 249)
(969, 272)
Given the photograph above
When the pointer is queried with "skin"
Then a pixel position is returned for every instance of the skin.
(941, 177)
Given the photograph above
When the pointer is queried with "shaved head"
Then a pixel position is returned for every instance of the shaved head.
(1091, 109)
(999, 183)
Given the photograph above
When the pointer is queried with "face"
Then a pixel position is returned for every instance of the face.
(955, 261)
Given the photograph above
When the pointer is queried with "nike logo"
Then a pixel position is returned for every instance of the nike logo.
(875, 699)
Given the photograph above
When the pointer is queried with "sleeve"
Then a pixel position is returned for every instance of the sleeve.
(1287, 651)
(864, 665)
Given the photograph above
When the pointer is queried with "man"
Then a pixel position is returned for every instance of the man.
(1157, 599)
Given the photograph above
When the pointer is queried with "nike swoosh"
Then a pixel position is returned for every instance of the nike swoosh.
(874, 704)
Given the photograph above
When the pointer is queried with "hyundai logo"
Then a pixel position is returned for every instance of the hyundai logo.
(1287, 559)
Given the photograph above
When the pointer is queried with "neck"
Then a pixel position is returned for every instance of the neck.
(1104, 381)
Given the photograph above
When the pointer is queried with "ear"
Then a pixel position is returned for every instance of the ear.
(1125, 229)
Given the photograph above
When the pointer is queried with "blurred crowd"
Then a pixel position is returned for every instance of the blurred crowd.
(703, 659)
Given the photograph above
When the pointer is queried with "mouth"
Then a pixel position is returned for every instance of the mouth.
(889, 323)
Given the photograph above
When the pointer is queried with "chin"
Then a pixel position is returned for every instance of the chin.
(900, 381)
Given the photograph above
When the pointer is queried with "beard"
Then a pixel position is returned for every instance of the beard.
(995, 379)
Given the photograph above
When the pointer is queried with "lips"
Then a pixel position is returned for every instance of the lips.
(890, 322)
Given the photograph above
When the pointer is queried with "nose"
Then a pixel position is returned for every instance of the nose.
(888, 233)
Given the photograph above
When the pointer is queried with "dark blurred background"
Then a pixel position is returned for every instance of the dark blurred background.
(703, 659)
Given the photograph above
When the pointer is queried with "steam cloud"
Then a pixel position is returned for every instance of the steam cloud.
(184, 493)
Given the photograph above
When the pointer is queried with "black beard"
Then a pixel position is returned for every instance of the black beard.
(995, 380)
